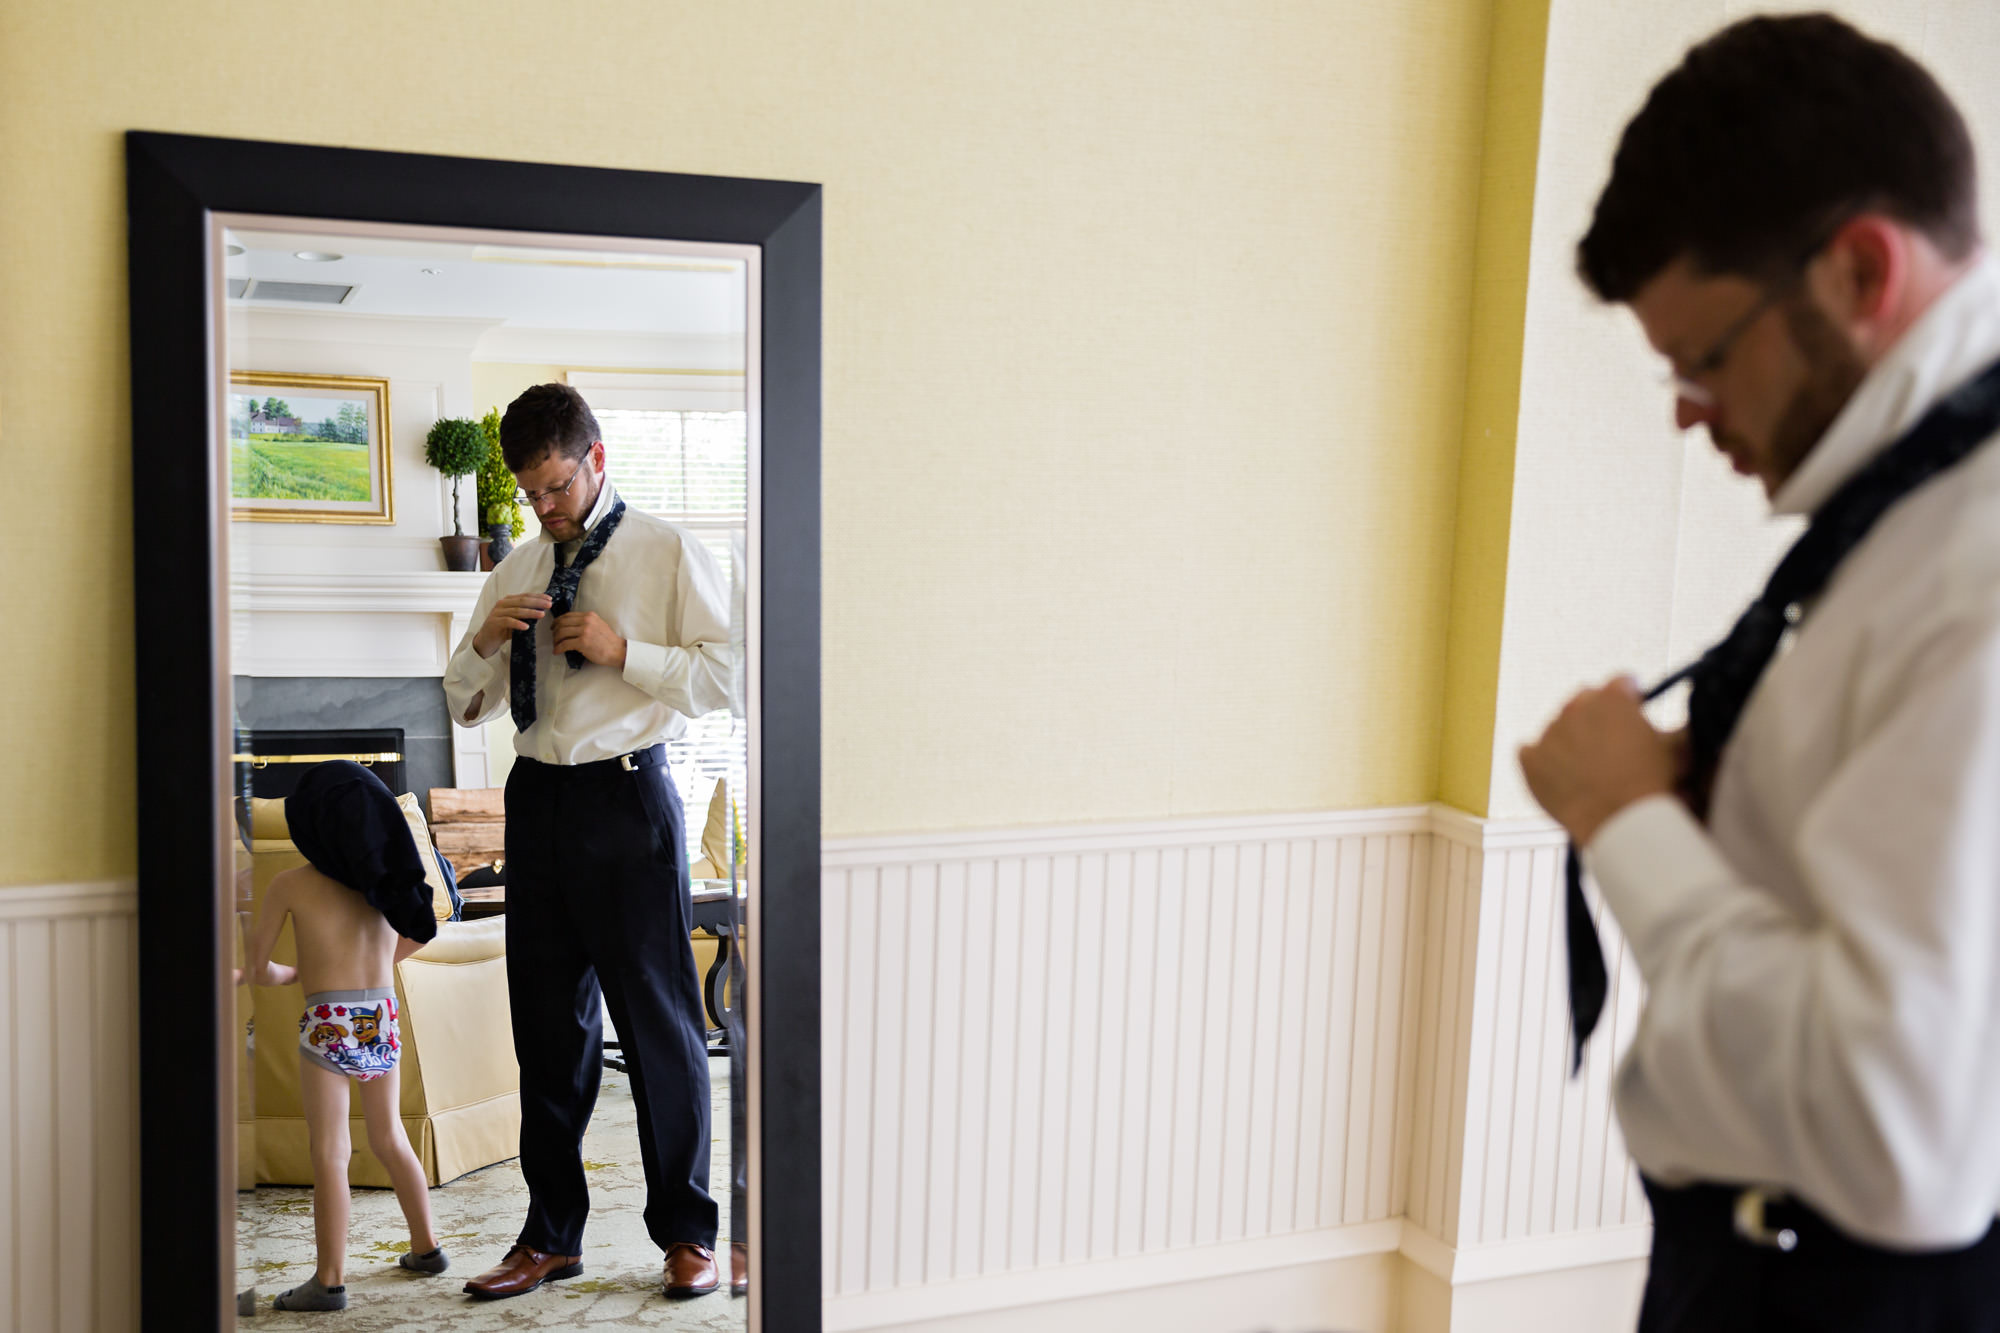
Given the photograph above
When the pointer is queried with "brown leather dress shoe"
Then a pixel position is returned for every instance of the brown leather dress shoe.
(690, 1271)
(522, 1271)
(739, 1268)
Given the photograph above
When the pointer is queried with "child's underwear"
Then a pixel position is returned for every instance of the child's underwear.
(352, 1032)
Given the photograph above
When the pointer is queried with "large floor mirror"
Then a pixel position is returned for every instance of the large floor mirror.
(378, 400)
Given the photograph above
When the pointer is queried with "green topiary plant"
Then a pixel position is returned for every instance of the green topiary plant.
(455, 447)
(496, 483)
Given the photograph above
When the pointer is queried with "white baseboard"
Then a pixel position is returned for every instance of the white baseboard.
(1072, 1282)
(1523, 1258)
(1146, 1281)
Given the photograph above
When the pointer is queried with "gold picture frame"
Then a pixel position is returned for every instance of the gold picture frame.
(309, 448)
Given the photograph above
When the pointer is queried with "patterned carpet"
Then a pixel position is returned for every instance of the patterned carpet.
(477, 1217)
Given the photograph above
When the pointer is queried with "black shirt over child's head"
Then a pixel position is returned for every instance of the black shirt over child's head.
(344, 820)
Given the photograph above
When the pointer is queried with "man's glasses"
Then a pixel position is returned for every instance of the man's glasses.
(535, 498)
(1685, 384)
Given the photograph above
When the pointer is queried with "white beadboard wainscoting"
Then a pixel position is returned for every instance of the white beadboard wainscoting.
(1068, 1062)
(1087, 1065)
(69, 1128)
(1514, 1149)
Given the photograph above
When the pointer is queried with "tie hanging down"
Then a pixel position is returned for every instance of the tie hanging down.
(1722, 678)
(562, 597)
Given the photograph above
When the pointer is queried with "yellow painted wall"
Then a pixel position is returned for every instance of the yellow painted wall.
(1145, 349)
(1493, 380)
(498, 383)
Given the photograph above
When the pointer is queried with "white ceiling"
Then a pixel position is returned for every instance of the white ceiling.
(525, 288)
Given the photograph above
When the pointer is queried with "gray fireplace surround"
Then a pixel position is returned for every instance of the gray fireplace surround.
(346, 703)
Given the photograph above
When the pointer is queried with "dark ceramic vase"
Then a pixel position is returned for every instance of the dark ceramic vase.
(461, 554)
(501, 541)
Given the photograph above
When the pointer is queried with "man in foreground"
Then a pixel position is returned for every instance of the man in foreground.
(1809, 876)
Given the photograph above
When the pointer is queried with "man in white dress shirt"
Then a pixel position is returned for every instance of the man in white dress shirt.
(1813, 1091)
(603, 637)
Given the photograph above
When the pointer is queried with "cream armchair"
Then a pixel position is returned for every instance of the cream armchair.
(460, 1086)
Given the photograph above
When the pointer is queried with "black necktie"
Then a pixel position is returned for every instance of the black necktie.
(562, 594)
(1721, 679)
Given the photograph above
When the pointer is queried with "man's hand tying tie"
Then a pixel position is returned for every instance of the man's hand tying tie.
(585, 632)
(1599, 756)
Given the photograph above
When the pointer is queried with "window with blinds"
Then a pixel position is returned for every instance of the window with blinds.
(690, 466)
(686, 466)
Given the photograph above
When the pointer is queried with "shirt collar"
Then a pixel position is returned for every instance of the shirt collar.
(1955, 339)
(607, 494)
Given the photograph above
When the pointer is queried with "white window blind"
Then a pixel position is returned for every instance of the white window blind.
(690, 466)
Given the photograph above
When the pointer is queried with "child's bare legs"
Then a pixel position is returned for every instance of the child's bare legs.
(325, 1096)
(381, 1105)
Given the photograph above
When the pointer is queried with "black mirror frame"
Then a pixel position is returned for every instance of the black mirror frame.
(174, 183)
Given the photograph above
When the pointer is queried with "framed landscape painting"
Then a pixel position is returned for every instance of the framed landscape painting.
(309, 448)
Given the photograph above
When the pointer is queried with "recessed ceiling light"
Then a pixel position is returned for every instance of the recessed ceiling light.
(315, 256)
(232, 250)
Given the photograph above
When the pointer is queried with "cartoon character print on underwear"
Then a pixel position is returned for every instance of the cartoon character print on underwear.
(367, 1025)
(327, 1034)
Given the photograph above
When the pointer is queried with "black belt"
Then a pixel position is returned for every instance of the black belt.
(1754, 1216)
(651, 757)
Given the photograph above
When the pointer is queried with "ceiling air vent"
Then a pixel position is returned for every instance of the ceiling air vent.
(315, 293)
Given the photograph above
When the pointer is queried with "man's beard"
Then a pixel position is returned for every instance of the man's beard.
(1833, 371)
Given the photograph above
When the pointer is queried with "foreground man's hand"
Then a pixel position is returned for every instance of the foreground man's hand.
(585, 632)
(520, 611)
(1597, 757)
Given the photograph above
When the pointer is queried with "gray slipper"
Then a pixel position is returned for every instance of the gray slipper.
(434, 1262)
(310, 1295)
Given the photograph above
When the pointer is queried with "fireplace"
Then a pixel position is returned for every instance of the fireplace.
(398, 727)
(339, 649)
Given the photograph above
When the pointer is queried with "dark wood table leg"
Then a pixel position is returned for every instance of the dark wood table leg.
(714, 987)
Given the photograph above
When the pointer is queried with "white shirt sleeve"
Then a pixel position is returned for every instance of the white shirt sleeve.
(472, 681)
(1854, 1058)
(693, 674)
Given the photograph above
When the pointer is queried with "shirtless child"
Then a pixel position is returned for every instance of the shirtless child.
(365, 872)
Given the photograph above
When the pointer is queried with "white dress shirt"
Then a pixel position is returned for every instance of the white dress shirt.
(653, 583)
(1823, 960)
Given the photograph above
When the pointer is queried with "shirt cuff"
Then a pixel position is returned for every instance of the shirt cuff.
(645, 664)
(1655, 865)
(470, 676)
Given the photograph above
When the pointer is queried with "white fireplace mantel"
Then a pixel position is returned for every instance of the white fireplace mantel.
(432, 592)
(348, 624)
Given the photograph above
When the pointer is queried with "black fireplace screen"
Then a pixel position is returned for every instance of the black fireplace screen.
(274, 761)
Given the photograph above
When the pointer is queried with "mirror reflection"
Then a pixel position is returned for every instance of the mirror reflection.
(488, 576)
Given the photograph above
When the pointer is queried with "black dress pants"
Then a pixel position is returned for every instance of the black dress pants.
(1705, 1277)
(598, 904)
